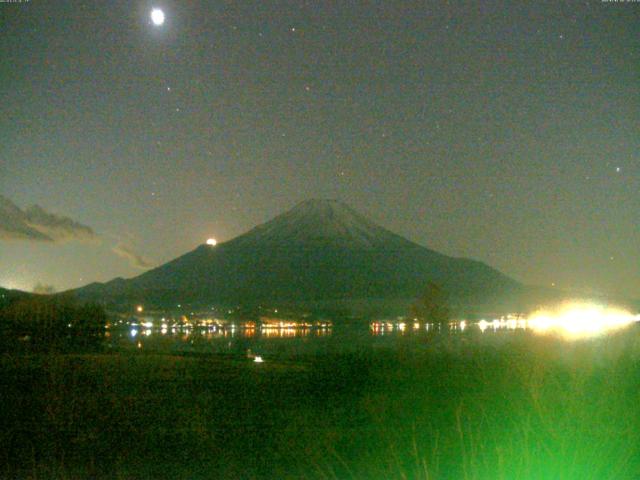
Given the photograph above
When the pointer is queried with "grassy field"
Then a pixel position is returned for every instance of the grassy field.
(526, 409)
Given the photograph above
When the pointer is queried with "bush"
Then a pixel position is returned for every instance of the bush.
(51, 324)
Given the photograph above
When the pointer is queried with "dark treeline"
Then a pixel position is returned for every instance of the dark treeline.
(40, 323)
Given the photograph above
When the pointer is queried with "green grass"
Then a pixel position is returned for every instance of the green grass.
(527, 409)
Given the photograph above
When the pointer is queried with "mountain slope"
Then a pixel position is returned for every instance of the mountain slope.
(320, 250)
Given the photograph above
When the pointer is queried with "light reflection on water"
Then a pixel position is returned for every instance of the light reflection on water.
(375, 329)
(291, 340)
(237, 340)
(402, 328)
(570, 321)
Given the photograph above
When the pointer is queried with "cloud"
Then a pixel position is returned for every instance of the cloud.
(134, 258)
(36, 224)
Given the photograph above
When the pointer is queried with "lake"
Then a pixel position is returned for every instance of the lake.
(336, 339)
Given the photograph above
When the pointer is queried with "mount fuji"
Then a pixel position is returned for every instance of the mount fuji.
(319, 251)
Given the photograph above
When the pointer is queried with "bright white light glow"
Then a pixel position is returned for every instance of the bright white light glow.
(580, 320)
(212, 241)
(258, 359)
(157, 16)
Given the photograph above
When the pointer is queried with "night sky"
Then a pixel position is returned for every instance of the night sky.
(502, 132)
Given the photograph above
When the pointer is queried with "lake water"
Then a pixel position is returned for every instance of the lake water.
(270, 343)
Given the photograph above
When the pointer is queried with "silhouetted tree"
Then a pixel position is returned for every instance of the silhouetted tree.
(432, 305)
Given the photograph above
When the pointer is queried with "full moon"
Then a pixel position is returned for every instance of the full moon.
(157, 16)
(212, 241)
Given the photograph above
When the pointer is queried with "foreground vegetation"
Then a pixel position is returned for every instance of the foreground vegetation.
(35, 323)
(527, 409)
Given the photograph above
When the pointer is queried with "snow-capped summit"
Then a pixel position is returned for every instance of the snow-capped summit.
(322, 222)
